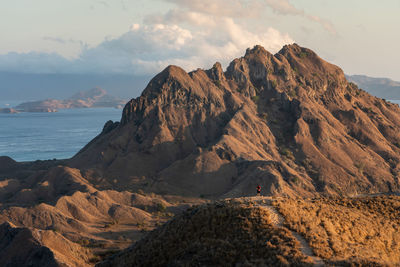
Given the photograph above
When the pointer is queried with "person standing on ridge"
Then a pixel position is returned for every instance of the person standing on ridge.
(258, 190)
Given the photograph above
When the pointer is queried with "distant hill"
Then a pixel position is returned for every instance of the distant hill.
(95, 97)
(30, 87)
(380, 87)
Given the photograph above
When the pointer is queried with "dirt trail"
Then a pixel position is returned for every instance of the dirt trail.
(277, 220)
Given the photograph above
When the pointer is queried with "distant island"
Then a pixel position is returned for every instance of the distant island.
(93, 98)
(380, 87)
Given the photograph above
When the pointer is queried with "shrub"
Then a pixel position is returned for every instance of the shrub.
(255, 99)
(84, 242)
(303, 55)
(95, 259)
(292, 93)
(287, 153)
(263, 115)
(360, 166)
(274, 83)
(161, 207)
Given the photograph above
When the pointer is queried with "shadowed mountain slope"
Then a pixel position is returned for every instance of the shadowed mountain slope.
(288, 121)
(32, 247)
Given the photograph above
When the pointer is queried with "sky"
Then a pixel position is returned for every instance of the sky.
(141, 37)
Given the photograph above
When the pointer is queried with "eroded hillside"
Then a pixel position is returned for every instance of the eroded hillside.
(57, 217)
(289, 121)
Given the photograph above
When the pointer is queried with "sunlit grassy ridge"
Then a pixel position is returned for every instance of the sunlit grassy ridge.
(355, 230)
(219, 234)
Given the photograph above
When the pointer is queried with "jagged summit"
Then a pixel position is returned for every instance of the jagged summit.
(216, 73)
(289, 121)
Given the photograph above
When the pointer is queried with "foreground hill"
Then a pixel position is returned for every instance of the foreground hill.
(288, 121)
(221, 234)
(244, 232)
(364, 229)
(95, 97)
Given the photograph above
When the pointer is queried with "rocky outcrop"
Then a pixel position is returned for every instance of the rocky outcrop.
(290, 122)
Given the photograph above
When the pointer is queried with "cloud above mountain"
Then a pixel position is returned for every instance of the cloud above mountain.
(191, 34)
(149, 48)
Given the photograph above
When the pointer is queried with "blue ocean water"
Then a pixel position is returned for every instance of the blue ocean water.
(60, 135)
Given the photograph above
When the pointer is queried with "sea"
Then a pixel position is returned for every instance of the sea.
(41, 136)
(59, 135)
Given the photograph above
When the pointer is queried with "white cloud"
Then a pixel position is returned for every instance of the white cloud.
(147, 49)
(150, 48)
(195, 34)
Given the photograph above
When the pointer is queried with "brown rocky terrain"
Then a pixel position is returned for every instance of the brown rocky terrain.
(290, 122)
(95, 97)
(69, 215)
(60, 213)
(33, 247)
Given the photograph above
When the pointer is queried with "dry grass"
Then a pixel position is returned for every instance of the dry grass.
(363, 231)
(221, 234)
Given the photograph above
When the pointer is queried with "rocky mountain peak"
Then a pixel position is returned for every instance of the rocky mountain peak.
(290, 121)
(216, 73)
(256, 50)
